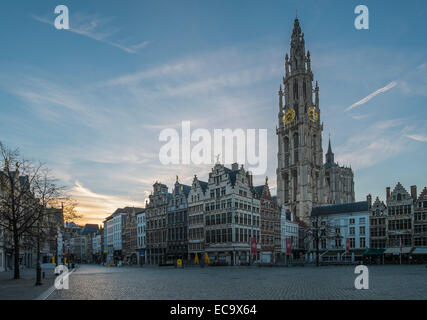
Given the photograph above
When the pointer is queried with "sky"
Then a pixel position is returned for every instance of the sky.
(91, 101)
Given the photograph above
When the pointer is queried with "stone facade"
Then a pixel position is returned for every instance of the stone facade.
(378, 224)
(339, 180)
(290, 229)
(303, 180)
(270, 225)
(129, 239)
(156, 211)
(400, 207)
(196, 220)
(177, 223)
(232, 216)
(420, 219)
(141, 234)
(342, 223)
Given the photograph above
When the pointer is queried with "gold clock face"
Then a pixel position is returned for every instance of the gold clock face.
(289, 116)
(312, 114)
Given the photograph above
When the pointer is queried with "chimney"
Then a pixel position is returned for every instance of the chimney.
(369, 199)
(414, 192)
(387, 193)
(235, 166)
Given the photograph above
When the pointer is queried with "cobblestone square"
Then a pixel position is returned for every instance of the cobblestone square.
(238, 283)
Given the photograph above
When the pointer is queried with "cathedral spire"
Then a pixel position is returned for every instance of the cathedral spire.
(297, 57)
(329, 154)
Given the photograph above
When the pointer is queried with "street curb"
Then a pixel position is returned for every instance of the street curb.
(49, 291)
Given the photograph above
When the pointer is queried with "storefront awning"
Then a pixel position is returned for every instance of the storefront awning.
(420, 251)
(374, 252)
(396, 251)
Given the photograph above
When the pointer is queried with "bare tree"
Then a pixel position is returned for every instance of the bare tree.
(319, 229)
(69, 206)
(25, 192)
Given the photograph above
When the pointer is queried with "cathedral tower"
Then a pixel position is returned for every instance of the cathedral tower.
(300, 174)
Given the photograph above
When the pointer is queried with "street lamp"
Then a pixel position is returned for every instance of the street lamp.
(39, 269)
(56, 254)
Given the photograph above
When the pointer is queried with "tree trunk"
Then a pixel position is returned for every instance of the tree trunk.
(16, 257)
(317, 252)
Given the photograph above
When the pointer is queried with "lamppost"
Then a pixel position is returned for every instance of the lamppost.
(56, 253)
(39, 269)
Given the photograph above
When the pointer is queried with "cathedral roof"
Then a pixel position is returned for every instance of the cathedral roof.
(330, 161)
(330, 164)
(329, 147)
(361, 206)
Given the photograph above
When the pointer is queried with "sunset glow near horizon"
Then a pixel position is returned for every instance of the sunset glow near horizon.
(91, 102)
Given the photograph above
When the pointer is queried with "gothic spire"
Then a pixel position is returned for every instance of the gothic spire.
(329, 154)
(297, 54)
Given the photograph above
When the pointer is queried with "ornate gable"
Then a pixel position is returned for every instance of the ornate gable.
(378, 208)
(399, 193)
(423, 195)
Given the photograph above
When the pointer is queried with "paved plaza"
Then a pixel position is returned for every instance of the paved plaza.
(24, 288)
(270, 283)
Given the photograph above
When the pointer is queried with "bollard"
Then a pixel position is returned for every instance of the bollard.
(43, 275)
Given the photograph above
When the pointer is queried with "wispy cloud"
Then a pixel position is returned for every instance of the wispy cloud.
(96, 28)
(417, 137)
(360, 116)
(377, 143)
(53, 102)
(206, 70)
(96, 206)
(370, 96)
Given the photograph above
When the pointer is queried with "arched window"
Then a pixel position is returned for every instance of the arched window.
(296, 145)
(295, 89)
(314, 148)
(286, 187)
(286, 152)
(304, 89)
(286, 144)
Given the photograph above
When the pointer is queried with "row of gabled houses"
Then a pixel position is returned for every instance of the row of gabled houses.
(226, 220)
(394, 231)
(82, 244)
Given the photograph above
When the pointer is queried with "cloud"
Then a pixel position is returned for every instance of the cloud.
(370, 96)
(208, 70)
(417, 137)
(377, 143)
(360, 116)
(185, 67)
(96, 206)
(54, 102)
(90, 26)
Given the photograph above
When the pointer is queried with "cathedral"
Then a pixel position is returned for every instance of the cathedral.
(304, 180)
